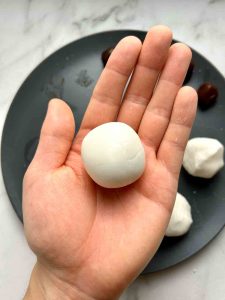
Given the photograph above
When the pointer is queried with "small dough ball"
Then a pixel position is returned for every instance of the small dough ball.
(113, 155)
(203, 157)
(181, 219)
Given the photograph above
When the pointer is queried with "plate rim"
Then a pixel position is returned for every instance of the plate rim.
(12, 103)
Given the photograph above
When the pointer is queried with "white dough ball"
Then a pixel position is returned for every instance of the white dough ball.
(113, 155)
(181, 219)
(203, 157)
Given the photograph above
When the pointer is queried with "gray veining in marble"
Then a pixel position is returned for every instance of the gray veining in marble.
(30, 30)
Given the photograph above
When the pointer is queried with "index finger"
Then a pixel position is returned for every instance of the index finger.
(106, 98)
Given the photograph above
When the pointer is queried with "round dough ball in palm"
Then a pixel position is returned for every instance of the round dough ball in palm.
(181, 219)
(203, 157)
(113, 155)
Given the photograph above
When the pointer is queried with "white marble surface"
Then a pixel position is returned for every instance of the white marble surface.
(30, 30)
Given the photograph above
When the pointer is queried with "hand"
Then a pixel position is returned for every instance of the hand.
(91, 242)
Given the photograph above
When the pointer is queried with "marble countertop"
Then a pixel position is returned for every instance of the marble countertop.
(30, 30)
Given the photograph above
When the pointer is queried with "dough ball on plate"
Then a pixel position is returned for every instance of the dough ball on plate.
(181, 218)
(203, 157)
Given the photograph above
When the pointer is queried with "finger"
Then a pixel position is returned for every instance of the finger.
(107, 95)
(151, 60)
(157, 115)
(172, 148)
(56, 136)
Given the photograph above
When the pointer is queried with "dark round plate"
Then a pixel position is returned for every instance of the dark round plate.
(70, 74)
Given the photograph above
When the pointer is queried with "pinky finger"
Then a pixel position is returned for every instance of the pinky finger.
(172, 147)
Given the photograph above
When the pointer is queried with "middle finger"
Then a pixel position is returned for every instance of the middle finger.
(150, 63)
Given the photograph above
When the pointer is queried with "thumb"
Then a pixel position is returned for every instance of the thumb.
(56, 136)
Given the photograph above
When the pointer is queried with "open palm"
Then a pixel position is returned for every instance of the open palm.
(93, 239)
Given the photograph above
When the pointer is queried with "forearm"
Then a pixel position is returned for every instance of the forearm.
(44, 286)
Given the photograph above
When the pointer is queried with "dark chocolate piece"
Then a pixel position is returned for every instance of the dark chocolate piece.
(207, 95)
(106, 54)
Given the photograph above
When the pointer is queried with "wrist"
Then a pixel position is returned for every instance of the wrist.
(45, 286)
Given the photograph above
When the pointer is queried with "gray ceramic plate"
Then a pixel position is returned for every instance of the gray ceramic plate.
(70, 74)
